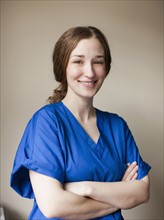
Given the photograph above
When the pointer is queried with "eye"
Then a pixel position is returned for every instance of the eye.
(78, 61)
(100, 62)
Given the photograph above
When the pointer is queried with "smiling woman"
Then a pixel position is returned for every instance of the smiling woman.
(86, 69)
(74, 160)
(63, 49)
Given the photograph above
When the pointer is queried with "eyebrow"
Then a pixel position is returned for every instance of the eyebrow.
(82, 56)
(78, 56)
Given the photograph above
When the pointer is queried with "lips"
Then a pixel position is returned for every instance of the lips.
(87, 84)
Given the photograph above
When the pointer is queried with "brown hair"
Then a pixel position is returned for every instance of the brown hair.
(62, 50)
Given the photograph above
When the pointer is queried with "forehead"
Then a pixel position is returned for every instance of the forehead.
(88, 46)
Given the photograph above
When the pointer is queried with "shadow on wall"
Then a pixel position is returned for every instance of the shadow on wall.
(11, 214)
(155, 194)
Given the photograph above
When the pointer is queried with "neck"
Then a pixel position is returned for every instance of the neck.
(81, 108)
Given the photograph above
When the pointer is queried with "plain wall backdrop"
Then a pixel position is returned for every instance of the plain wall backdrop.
(133, 89)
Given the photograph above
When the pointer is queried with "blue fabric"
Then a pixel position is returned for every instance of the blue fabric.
(56, 145)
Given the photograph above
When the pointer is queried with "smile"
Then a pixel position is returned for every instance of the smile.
(87, 82)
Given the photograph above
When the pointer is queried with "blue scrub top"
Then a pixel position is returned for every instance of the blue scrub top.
(55, 144)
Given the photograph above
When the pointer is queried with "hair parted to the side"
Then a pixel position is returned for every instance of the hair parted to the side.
(62, 50)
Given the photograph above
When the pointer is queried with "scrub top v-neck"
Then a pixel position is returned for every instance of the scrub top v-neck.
(82, 133)
(55, 144)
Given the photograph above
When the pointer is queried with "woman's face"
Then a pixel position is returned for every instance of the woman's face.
(86, 69)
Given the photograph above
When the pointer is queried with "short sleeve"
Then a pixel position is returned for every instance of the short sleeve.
(40, 151)
(132, 153)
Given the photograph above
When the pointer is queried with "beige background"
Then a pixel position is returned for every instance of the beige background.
(134, 88)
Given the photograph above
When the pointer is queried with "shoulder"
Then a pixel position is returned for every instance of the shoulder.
(48, 110)
(114, 122)
(46, 114)
(111, 117)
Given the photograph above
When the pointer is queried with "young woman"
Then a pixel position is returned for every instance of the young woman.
(75, 161)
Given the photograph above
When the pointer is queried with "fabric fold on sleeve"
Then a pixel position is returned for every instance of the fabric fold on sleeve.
(132, 153)
(40, 151)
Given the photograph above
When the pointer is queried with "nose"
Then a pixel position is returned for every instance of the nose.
(88, 70)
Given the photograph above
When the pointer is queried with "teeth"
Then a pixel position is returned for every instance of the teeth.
(87, 83)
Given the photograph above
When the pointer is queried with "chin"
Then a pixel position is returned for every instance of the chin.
(88, 96)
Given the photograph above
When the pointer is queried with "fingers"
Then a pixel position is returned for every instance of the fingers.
(135, 176)
(131, 172)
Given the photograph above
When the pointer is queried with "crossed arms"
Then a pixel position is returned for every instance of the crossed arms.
(87, 199)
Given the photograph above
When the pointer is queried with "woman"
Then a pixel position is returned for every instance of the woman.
(76, 161)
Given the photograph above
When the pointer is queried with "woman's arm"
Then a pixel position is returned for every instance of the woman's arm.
(125, 194)
(54, 201)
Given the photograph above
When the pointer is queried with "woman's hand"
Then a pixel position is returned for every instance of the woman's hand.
(131, 172)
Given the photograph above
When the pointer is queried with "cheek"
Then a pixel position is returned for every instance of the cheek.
(72, 72)
(69, 73)
(101, 73)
